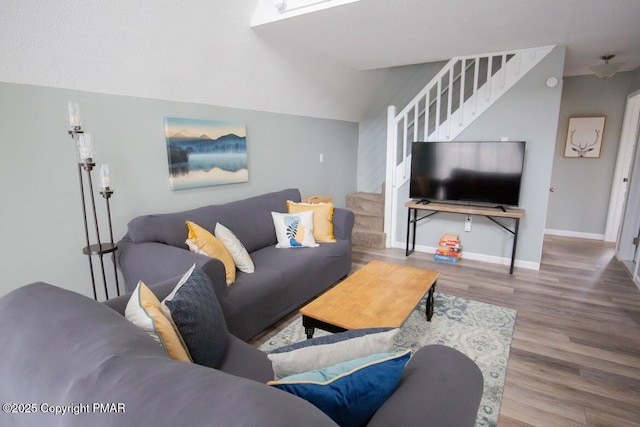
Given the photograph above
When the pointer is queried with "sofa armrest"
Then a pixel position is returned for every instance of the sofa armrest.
(440, 386)
(154, 262)
(343, 221)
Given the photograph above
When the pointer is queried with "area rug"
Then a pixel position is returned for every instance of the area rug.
(481, 331)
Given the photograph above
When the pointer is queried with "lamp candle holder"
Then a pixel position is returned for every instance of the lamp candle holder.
(107, 193)
(86, 166)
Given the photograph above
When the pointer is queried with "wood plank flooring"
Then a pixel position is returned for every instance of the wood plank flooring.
(575, 355)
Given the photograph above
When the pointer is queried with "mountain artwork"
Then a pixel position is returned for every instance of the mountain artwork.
(203, 153)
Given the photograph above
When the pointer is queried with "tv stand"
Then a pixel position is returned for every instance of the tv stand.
(492, 213)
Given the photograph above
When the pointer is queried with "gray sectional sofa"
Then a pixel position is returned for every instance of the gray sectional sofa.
(68, 360)
(154, 250)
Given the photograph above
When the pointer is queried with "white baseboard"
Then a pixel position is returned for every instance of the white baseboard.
(565, 233)
(477, 257)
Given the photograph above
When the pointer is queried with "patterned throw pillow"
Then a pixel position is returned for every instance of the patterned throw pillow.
(237, 250)
(321, 352)
(322, 218)
(144, 310)
(349, 392)
(203, 242)
(195, 310)
(294, 230)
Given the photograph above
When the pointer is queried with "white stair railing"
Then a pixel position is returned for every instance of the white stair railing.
(461, 91)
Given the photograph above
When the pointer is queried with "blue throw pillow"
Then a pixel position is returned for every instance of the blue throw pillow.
(194, 309)
(349, 392)
(321, 352)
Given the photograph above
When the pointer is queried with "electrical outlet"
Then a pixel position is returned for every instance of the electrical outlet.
(321, 158)
(467, 223)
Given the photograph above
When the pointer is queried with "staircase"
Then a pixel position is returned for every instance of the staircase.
(368, 231)
(464, 88)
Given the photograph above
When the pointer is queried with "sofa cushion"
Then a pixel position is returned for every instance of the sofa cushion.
(284, 280)
(322, 218)
(236, 249)
(294, 230)
(202, 242)
(144, 311)
(320, 352)
(194, 308)
(352, 391)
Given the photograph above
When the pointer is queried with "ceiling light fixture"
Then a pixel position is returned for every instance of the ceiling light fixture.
(606, 70)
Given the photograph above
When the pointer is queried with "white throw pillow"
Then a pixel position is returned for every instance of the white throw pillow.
(320, 352)
(294, 230)
(235, 247)
(145, 311)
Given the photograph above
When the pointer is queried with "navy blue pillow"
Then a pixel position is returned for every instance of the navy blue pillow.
(195, 310)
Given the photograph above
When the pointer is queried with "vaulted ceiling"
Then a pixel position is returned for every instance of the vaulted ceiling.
(369, 34)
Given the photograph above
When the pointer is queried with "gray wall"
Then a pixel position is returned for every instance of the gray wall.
(40, 215)
(635, 79)
(580, 202)
(529, 112)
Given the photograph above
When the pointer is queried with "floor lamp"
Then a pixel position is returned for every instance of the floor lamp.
(86, 165)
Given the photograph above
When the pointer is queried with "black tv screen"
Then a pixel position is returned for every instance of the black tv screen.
(470, 172)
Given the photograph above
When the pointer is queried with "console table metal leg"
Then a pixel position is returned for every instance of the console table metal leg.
(515, 242)
(406, 251)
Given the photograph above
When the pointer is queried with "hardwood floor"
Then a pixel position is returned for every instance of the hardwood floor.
(575, 354)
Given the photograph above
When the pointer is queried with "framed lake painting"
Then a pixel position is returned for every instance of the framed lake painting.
(203, 153)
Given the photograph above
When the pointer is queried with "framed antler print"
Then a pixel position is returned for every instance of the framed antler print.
(584, 137)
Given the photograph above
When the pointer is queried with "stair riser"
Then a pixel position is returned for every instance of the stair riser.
(372, 207)
(368, 239)
(369, 222)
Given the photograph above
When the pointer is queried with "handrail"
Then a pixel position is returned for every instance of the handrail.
(445, 70)
(469, 63)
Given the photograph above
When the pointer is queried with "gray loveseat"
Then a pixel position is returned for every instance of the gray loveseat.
(63, 352)
(154, 250)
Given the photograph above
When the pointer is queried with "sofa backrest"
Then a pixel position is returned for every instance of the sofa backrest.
(249, 219)
(62, 350)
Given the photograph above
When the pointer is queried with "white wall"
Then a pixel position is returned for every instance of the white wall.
(201, 51)
(528, 112)
(40, 212)
(580, 201)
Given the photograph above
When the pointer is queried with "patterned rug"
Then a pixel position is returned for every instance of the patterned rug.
(481, 331)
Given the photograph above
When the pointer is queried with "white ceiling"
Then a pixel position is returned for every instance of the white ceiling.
(371, 34)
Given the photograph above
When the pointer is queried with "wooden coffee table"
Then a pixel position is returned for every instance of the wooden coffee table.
(378, 295)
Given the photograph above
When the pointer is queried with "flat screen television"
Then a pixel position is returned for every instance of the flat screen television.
(468, 172)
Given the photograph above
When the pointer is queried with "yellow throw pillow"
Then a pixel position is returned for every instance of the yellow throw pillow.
(145, 311)
(203, 242)
(322, 218)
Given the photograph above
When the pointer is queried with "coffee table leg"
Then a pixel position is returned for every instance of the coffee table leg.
(430, 302)
(309, 327)
(309, 331)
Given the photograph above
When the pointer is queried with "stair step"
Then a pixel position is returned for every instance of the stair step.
(368, 239)
(372, 203)
(368, 222)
